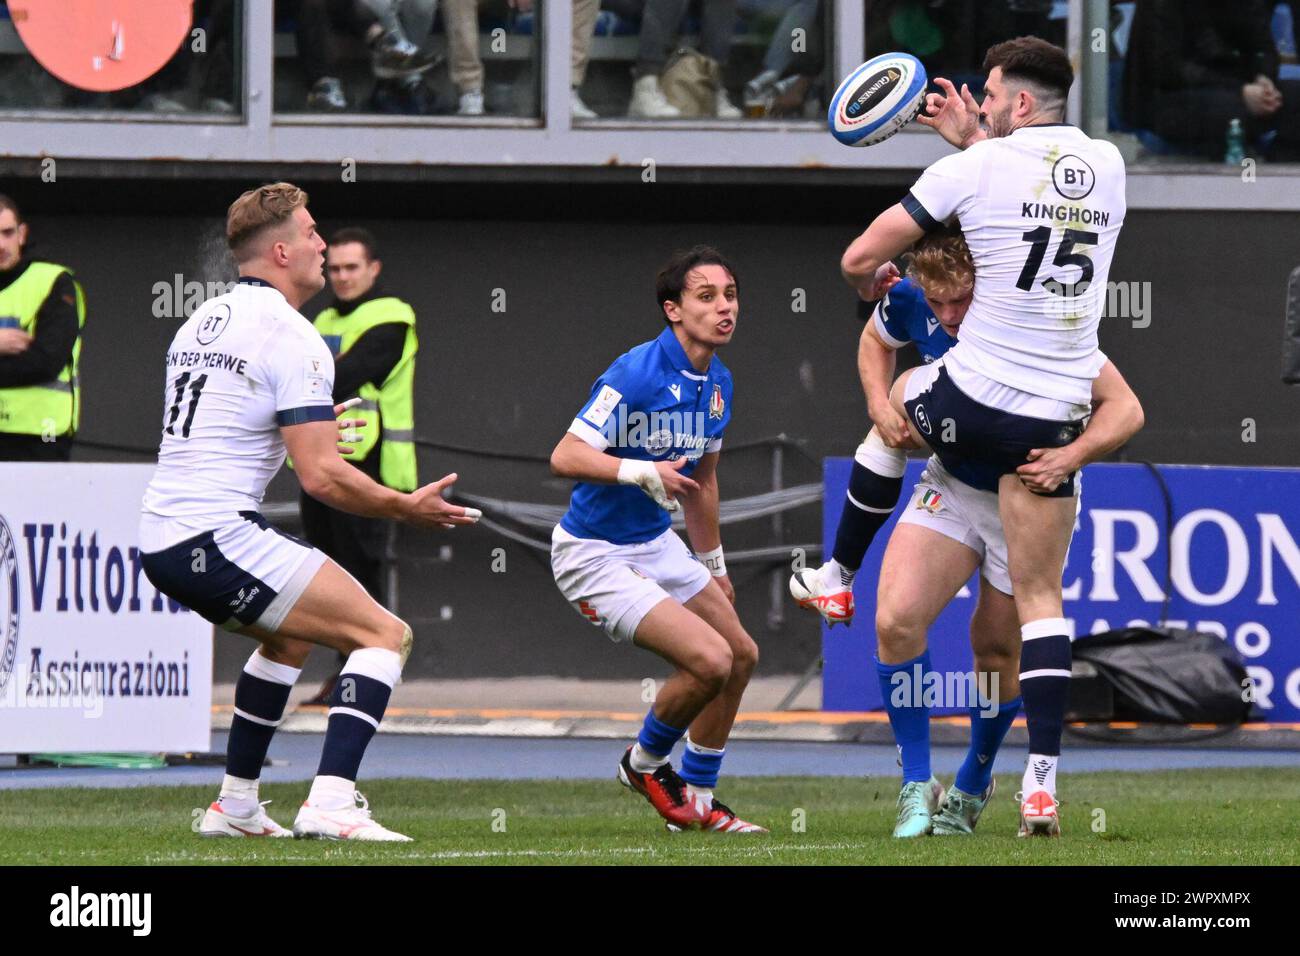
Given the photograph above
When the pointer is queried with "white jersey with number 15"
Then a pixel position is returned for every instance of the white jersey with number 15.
(243, 366)
(1041, 210)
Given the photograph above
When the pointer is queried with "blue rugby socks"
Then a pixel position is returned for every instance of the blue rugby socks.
(986, 734)
(701, 765)
(654, 744)
(901, 687)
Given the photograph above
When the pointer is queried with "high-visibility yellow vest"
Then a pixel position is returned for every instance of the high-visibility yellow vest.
(50, 408)
(388, 409)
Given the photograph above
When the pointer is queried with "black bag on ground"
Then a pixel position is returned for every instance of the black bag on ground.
(1163, 675)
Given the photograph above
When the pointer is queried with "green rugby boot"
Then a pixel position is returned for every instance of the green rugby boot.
(917, 803)
(961, 811)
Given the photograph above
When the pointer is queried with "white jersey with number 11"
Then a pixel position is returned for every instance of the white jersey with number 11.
(243, 366)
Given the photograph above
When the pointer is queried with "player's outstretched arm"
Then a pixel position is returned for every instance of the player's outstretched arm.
(891, 234)
(331, 480)
(701, 509)
(574, 458)
(1116, 417)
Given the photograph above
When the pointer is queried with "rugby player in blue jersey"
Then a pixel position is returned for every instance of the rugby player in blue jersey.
(924, 308)
(646, 444)
(949, 529)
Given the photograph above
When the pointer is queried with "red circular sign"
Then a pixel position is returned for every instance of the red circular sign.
(102, 45)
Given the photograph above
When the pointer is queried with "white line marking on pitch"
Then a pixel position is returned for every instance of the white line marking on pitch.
(496, 854)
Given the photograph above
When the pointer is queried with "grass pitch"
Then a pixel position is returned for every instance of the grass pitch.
(1233, 816)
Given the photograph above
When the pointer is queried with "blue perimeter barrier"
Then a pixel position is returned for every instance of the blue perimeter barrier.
(1235, 546)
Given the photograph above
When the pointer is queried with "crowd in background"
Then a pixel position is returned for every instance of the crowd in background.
(1193, 78)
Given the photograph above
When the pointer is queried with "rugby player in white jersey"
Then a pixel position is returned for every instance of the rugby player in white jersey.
(1041, 205)
(247, 379)
(948, 530)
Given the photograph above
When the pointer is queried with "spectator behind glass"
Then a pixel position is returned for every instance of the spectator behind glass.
(1193, 66)
(397, 58)
(467, 72)
(661, 21)
(392, 53)
(765, 94)
(951, 36)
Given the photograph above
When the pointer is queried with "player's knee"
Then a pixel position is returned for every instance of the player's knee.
(995, 660)
(390, 633)
(744, 658)
(895, 628)
(712, 667)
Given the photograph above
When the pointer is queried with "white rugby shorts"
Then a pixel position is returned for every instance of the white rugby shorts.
(953, 508)
(956, 510)
(614, 586)
(233, 570)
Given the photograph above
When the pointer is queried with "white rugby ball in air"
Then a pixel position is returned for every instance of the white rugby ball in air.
(877, 99)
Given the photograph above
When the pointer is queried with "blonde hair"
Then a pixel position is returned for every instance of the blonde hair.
(941, 261)
(258, 210)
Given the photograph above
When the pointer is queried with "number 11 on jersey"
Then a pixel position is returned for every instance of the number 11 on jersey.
(196, 389)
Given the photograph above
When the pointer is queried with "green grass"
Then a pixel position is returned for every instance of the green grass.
(1236, 816)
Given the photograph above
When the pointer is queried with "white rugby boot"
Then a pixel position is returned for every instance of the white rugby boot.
(217, 822)
(348, 823)
(1038, 814)
(833, 601)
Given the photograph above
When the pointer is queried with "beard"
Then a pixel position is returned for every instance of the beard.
(998, 124)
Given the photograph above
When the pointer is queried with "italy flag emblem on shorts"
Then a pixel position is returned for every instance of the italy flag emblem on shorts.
(931, 501)
(716, 405)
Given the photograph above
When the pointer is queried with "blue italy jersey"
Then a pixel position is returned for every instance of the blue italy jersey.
(903, 316)
(650, 405)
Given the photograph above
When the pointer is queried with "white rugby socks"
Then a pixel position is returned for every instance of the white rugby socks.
(645, 762)
(1040, 774)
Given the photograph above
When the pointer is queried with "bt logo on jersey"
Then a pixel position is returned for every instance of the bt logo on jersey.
(922, 419)
(213, 325)
(1072, 177)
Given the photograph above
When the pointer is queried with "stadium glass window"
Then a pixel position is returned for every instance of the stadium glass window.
(1182, 83)
(707, 59)
(472, 59)
(950, 37)
(179, 58)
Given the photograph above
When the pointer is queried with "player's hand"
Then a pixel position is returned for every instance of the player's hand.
(954, 117)
(674, 483)
(348, 435)
(892, 427)
(14, 341)
(1047, 468)
(724, 582)
(426, 507)
(1262, 97)
(348, 427)
(887, 276)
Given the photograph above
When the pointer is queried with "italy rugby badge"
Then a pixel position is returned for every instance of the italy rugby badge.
(716, 403)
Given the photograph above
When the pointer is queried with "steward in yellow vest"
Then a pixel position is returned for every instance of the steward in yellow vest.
(374, 343)
(372, 337)
(42, 312)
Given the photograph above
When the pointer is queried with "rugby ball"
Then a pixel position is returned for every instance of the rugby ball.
(877, 99)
